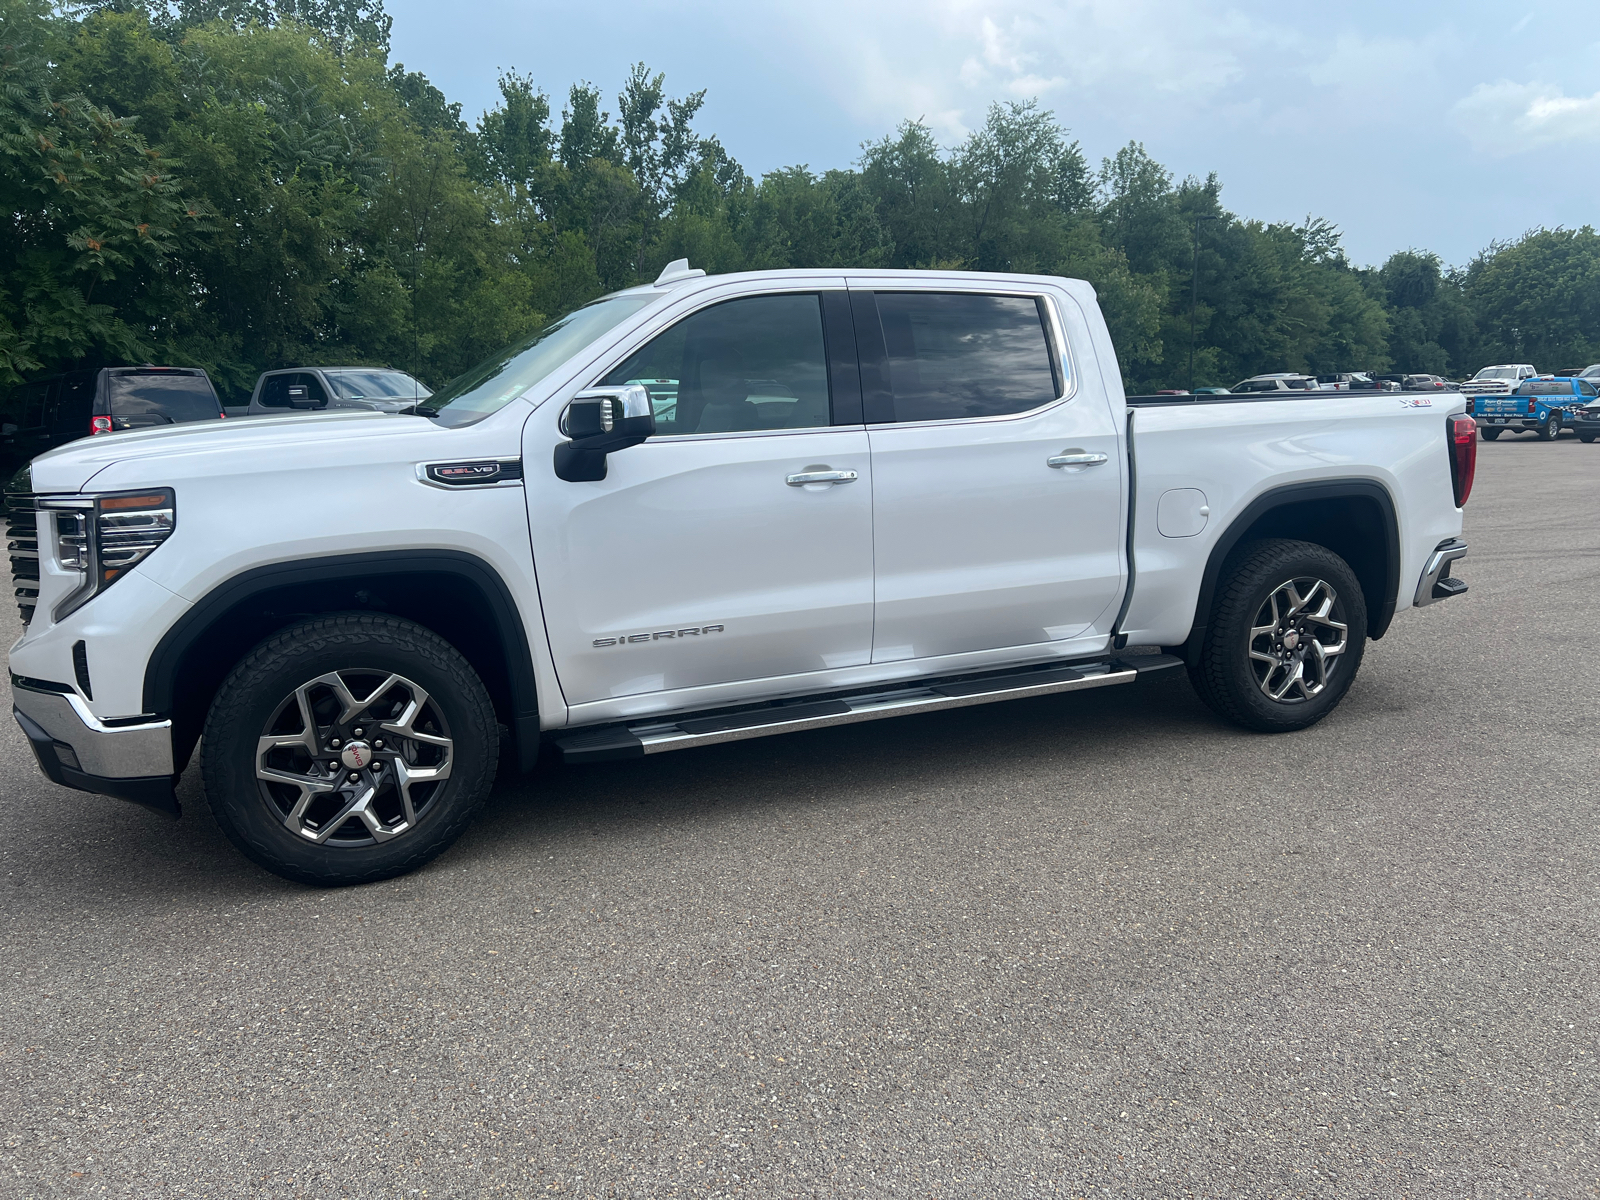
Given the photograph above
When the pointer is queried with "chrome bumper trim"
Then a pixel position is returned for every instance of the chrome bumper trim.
(115, 752)
(1438, 568)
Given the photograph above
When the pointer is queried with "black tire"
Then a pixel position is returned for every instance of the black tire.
(450, 732)
(1586, 438)
(1232, 682)
(1551, 429)
(1491, 435)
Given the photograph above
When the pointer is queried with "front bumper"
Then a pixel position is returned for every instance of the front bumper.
(75, 749)
(1436, 584)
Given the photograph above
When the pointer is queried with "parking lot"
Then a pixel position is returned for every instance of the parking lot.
(1085, 945)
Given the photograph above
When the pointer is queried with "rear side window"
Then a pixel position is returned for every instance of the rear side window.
(1545, 387)
(143, 400)
(959, 355)
(1587, 389)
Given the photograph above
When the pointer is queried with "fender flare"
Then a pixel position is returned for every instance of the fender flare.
(1298, 493)
(161, 671)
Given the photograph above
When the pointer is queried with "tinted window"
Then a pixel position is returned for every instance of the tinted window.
(1545, 387)
(957, 355)
(1257, 385)
(71, 405)
(736, 367)
(277, 391)
(143, 400)
(30, 404)
(1587, 389)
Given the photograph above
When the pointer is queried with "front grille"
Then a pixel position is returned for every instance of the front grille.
(22, 544)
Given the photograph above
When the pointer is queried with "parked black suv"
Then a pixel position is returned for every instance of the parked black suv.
(48, 412)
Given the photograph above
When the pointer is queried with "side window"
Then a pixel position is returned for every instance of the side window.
(743, 365)
(953, 355)
(275, 391)
(1587, 390)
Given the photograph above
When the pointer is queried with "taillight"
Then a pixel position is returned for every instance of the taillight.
(1533, 407)
(99, 425)
(1463, 431)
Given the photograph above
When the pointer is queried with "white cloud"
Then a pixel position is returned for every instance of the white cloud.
(1508, 118)
(947, 60)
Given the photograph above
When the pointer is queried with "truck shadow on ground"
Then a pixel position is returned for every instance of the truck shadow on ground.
(880, 762)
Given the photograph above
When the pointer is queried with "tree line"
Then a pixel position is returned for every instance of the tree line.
(247, 184)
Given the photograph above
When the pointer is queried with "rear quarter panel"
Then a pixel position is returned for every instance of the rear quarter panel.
(1235, 452)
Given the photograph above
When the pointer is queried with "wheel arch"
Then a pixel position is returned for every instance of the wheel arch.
(1355, 518)
(457, 595)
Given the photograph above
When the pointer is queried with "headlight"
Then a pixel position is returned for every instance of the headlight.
(105, 537)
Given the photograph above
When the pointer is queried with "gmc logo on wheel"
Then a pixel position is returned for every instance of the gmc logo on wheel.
(631, 639)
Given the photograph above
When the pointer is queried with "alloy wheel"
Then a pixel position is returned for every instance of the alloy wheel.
(1296, 640)
(354, 757)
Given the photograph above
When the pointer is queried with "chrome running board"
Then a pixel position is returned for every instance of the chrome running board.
(657, 735)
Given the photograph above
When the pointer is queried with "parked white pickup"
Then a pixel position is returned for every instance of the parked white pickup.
(708, 509)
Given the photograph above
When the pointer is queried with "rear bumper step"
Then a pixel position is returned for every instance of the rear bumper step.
(635, 739)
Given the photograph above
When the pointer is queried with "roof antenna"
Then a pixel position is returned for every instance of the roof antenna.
(675, 270)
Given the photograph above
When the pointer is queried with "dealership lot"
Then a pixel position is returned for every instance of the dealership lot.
(1081, 945)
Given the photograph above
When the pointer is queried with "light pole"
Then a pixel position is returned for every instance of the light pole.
(1194, 292)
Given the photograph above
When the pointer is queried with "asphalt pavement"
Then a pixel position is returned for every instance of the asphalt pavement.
(1087, 945)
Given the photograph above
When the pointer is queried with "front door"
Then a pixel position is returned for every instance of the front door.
(997, 492)
(734, 545)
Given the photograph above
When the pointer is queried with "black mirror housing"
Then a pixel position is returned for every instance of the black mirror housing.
(601, 421)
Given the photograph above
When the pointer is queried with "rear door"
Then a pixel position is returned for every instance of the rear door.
(997, 482)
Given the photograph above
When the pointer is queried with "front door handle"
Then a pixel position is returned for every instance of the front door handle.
(820, 475)
(1076, 458)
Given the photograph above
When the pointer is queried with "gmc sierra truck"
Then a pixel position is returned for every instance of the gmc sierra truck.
(708, 509)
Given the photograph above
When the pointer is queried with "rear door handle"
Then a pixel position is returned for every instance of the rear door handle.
(824, 475)
(1076, 459)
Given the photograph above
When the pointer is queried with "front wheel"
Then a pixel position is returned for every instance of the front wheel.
(1284, 638)
(1551, 429)
(348, 749)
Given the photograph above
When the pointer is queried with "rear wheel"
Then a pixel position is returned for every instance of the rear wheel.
(1285, 636)
(1586, 438)
(348, 749)
(1551, 429)
(1491, 435)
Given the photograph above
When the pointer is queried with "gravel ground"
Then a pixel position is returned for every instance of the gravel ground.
(1080, 946)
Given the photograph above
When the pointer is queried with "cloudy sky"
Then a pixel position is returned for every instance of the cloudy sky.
(1427, 123)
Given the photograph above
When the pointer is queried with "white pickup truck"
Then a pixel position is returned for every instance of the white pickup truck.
(709, 509)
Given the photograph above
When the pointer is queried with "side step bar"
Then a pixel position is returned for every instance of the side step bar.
(634, 739)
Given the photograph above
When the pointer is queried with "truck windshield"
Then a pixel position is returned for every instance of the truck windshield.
(1497, 373)
(376, 385)
(497, 381)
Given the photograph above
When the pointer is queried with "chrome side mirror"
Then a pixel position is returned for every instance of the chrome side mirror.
(601, 421)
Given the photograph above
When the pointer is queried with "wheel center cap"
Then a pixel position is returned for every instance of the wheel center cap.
(356, 755)
(1290, 641)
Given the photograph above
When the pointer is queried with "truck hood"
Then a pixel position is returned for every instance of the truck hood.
(69, 468)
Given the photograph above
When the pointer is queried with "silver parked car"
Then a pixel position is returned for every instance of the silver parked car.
(1278, 381)
(312, 389)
